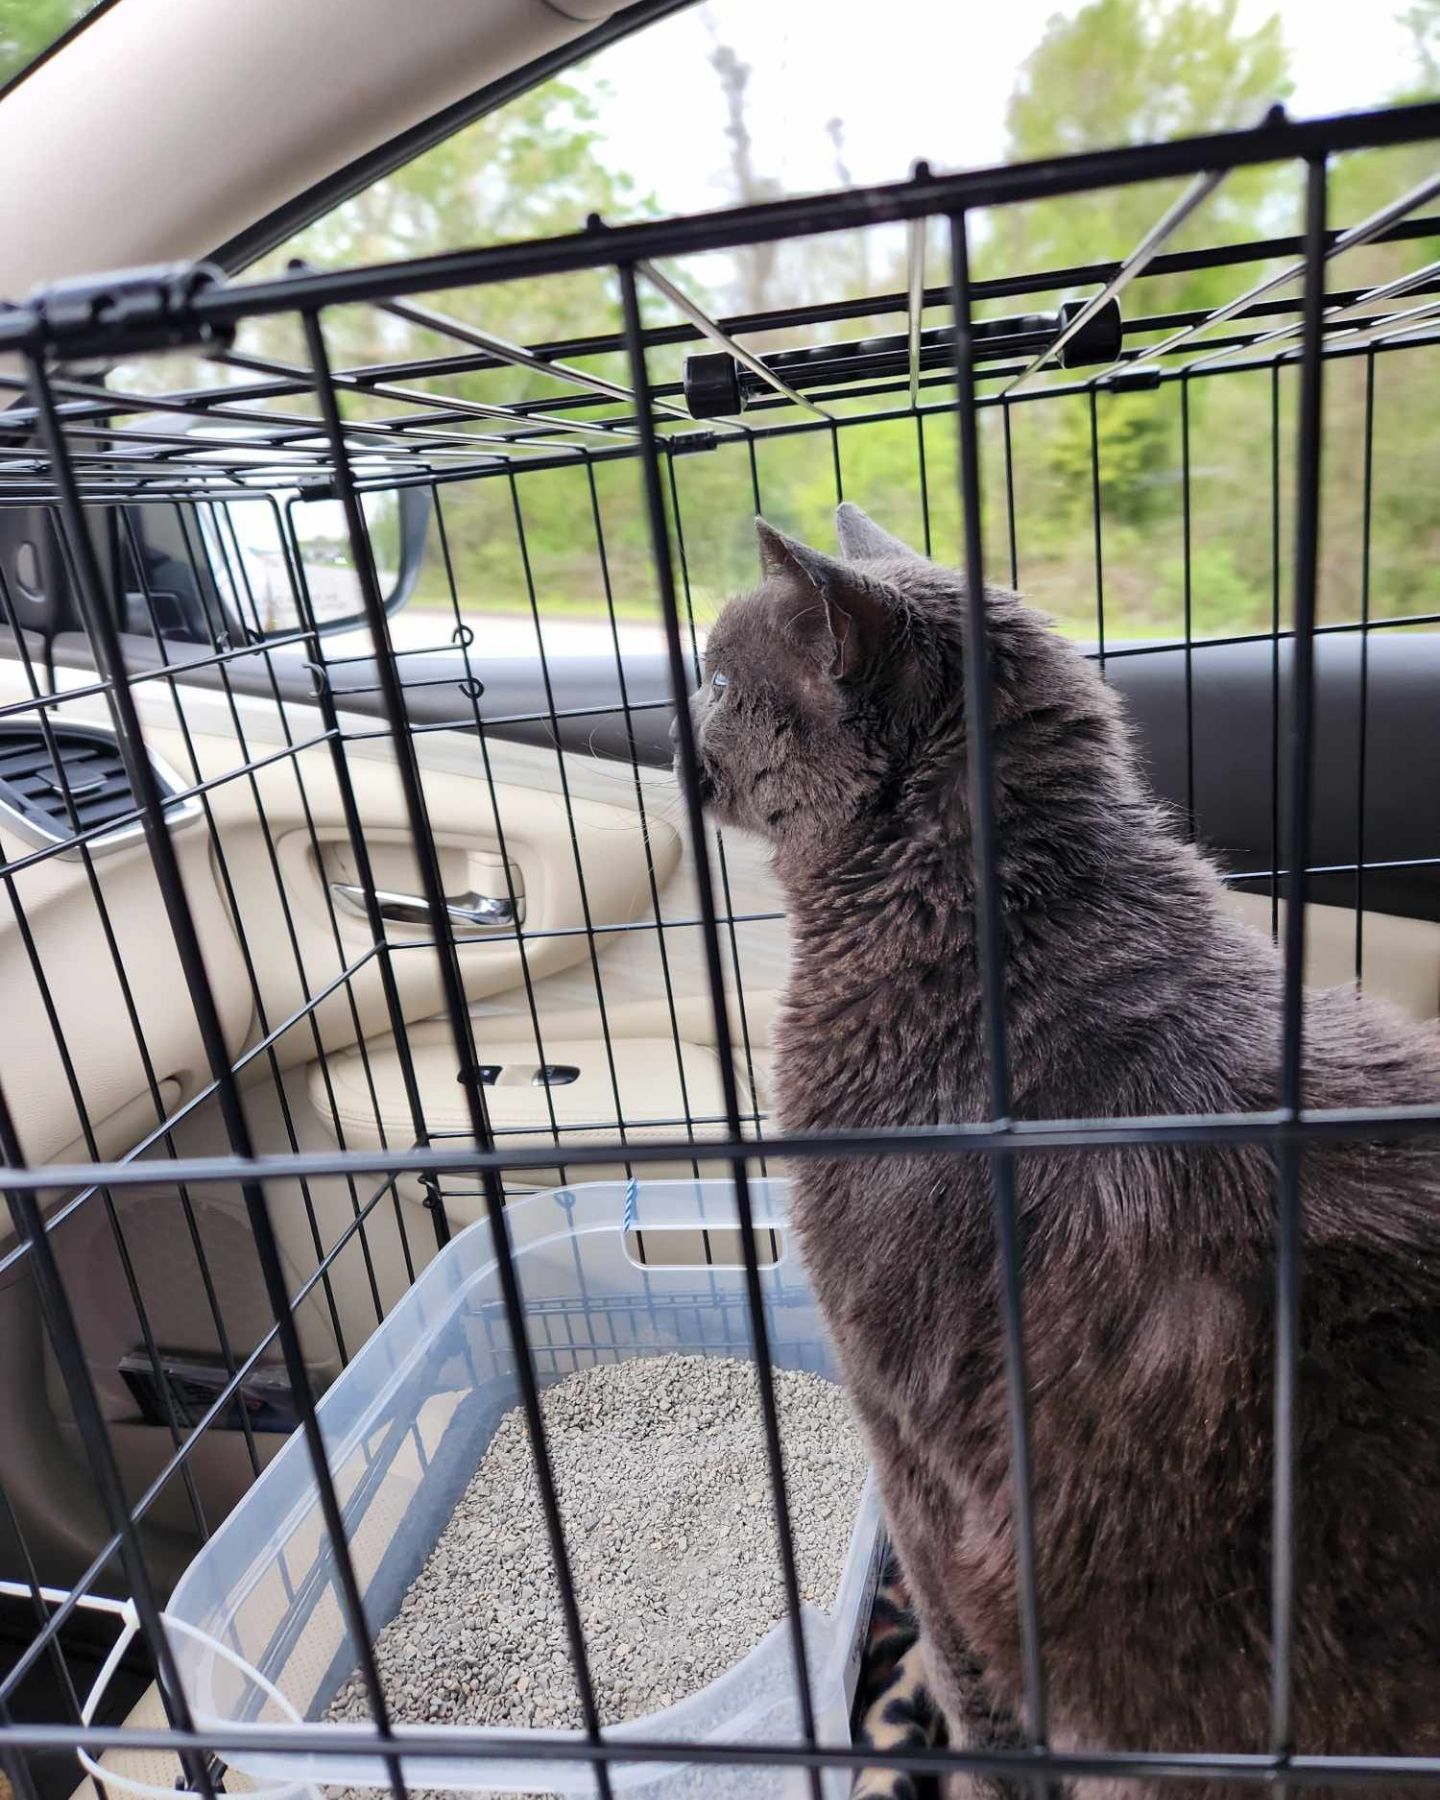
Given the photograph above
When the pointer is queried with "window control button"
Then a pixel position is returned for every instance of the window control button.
(555, 1075)
(487, 1074)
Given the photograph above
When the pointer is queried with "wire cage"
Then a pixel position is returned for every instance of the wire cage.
(193, 764)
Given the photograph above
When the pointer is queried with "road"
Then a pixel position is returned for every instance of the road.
(505, 634)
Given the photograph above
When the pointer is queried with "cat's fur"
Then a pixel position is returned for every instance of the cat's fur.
(1148, 1273)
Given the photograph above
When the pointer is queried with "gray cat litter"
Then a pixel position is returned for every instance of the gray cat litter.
(663, 1485)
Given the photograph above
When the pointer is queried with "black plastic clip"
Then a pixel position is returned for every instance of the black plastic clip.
(717, 386)
(687, 443)
(1134, 381)
(712, 385)
(130, 310)
(1097, 341)
(433, 1201)
(19, 329)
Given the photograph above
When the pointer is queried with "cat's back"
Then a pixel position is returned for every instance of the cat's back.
(1381, 1193)
(1361, 1051)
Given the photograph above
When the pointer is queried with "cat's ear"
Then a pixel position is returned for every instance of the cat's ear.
(844, 616)
(861, 539)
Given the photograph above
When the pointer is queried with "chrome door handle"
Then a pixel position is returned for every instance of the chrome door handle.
(485, 910)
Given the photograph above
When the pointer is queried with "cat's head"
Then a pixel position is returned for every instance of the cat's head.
(835, 689)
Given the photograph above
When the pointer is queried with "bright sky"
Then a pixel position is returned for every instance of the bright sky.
(921, 78)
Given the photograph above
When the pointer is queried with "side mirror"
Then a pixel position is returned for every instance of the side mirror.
(261, 555)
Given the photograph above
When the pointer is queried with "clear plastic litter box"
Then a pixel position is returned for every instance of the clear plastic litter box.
(257, 1625)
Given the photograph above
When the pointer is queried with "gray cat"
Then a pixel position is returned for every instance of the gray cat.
(831, 722)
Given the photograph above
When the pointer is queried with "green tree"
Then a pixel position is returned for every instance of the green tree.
(1131, 72)
(534, 168)
(1128, 72)
(1422, 21)
(27, 26)
(1112, 72)
(531, 169)
(1368, 179)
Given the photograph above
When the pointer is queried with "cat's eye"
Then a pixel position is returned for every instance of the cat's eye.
(718, 681)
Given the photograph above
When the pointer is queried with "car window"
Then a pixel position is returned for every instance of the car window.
(28, 28)
(739, 101)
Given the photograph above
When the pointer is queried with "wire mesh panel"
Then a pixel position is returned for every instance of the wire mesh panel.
(334, 928)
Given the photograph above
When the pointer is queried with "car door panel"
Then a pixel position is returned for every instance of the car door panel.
(87, 964)
(297, 940)
(258, 868)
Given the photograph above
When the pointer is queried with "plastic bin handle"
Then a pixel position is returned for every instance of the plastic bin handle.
(124, 1610)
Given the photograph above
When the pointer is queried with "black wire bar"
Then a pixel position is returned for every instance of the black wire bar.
(1144, 253)
(461, 1743)
(1363, 231)
(1023, 1137)
(421, 464)
(1335, 311)
(707, 327)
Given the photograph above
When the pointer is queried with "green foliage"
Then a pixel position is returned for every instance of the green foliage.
(534, 168)
(531, 169)
(1422, 20)
(1109, 72)
(28, 26)
(1132, 71)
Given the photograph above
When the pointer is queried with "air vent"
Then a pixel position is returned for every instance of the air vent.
(94, 794)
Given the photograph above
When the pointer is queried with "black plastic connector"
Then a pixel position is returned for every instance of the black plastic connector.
(691, 443)
(132, 310)
(718, 387)
(712, 385)
(1134, 381)
(1097, 341)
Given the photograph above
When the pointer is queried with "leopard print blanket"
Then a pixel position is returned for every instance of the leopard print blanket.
(893, 1708)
